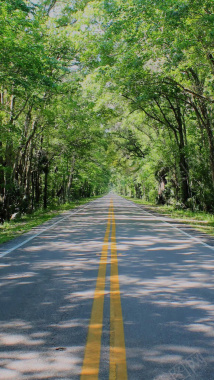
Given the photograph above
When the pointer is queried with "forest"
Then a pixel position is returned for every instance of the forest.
(105, 94)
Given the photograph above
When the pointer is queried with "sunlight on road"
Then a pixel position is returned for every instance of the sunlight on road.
(47, 290)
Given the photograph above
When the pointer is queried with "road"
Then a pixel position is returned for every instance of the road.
(107, 292)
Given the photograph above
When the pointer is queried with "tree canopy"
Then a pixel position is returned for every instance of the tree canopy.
(106, 93)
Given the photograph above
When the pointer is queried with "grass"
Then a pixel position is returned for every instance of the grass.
(200, 220)
(14, 228)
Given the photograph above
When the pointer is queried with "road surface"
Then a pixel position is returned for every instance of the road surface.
(108, 291)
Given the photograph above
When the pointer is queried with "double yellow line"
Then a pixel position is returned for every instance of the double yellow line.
(117, 359)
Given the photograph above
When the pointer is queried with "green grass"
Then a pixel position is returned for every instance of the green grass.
(200, 220)
(14, 228)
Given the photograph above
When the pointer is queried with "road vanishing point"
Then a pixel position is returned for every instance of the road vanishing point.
(107, 291)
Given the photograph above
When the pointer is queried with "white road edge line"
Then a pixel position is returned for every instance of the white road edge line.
(176, 228)
(44, 229)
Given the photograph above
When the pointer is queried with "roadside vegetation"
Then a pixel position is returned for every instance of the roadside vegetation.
(25, 223)
(199, 220)
(106, 93)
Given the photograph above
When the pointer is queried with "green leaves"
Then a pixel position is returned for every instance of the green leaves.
(107, 86)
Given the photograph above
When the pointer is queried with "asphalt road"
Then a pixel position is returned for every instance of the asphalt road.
(108, 292)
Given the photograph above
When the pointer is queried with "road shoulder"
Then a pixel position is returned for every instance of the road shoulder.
(177, 223)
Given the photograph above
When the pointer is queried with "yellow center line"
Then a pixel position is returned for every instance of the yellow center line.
(91, 362)
(117, 362)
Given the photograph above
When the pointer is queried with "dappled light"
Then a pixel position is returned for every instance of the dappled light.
(166, 280)
(99, 98)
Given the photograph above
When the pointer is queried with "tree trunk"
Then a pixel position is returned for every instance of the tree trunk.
(45, 198)
(37, 187)
(70, 179)
(8, 182)
(1, 172)
(28, 170)
(184, 168)
(201, 111)
(205, 123)
(181, 141)
(33, 189)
